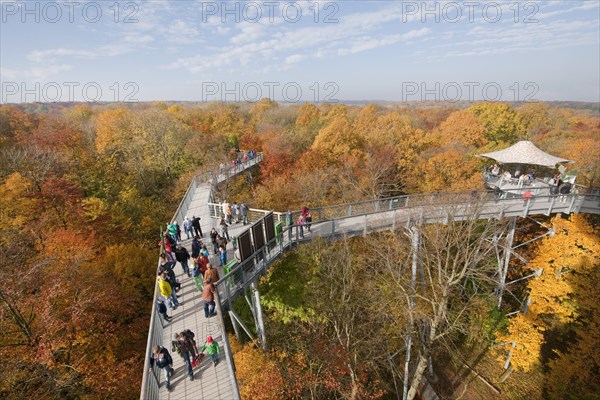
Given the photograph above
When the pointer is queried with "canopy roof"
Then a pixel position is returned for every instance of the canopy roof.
(524, 152)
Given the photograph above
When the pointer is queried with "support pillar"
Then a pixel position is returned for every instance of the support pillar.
(503, 267)
(414, 239)
(260, 326)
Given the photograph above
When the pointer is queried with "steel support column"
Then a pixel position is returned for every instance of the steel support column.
(503, 267)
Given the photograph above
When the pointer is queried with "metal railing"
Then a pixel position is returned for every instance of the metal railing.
(151, 381)
(254, 214)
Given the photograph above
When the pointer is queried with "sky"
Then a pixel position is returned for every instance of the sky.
(300, 51)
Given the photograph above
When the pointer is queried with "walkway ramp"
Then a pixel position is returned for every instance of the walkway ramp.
(210, 382)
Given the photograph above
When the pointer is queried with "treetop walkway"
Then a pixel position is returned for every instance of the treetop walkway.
(268, 237)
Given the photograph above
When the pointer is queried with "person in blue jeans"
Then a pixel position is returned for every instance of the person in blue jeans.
(208, 295)
(187, 345)
(223, 255)
(161, 357)
(212, 349)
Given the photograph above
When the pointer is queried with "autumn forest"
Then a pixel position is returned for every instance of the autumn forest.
(84, 189)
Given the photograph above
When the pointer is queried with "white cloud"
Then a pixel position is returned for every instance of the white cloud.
(38, 73)
(181, 32)
(369, 43)
(249, 32)
(7, 74)
(287, 39)
(293, 59)
(492, 39)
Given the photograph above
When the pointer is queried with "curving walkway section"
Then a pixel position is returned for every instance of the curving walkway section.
(363, 218)
(335, 221)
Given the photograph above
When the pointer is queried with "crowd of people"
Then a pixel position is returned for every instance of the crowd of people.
(195, 264)
(556, 184)
(242, 157)
(304, 220)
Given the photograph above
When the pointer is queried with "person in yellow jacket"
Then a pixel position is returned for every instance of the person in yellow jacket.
(166, 291)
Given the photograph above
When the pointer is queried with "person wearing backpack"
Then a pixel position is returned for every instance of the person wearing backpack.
(212, 349)
(163, 360)
(187, 344)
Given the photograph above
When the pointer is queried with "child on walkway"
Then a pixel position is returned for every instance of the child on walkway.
(212, 349)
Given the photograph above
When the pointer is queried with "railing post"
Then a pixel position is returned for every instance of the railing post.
(227, 348)
(572, 203)
(228, 294)
(527, 205)
(551, 205)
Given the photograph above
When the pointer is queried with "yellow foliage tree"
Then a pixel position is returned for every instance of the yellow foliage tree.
(111, 131)
(502, 122)
(563, 299)
(17, 207)
(338, 139)
(462, 127)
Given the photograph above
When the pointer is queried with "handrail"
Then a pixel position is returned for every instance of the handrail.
(149, 388)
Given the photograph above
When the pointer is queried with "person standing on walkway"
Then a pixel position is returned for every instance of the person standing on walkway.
(166, 290)
(197, 227)
(182, 255)
(204, 251)
(178, 231)
(187, 227)
(300, 223)
(224, 228)
(162, 309)
(197, 275)
(289, 221)
(223, 255)
(244, 213)
(226, 210)
(212, 349)
(187, 345)
(235, 210)
(213, 239)
(163, 360)
(196, 247)
(208, 295)
(211, 273)
(172, 231)
(308, 221)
